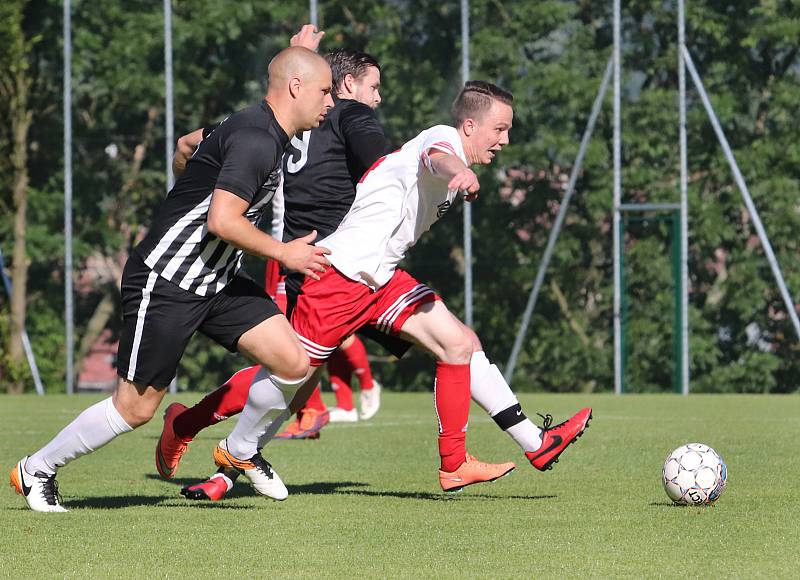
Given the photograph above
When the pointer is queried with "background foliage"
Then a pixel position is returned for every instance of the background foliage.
(551, 54)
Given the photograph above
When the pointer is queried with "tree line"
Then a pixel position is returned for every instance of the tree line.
(551, 54)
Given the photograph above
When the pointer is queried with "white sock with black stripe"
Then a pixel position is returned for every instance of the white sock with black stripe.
(491, 391)
(267, 407)
(88, 432)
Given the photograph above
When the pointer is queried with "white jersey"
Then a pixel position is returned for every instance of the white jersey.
(397, 201)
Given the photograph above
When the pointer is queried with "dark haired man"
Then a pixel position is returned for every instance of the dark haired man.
(185, 275)
(397, 200)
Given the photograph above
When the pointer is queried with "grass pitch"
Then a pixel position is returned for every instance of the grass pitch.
(365, 500)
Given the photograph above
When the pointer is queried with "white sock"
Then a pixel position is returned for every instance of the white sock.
(88, 432)
(267, 404)
(273, 429)
(491, 391)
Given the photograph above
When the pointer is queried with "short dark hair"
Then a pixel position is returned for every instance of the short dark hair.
(475, 99)
(345, 62)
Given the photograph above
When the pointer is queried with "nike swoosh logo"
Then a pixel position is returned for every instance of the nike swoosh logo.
(161, 464)
(519, 412)
(557, 440)
(26, 489)
(456, 479)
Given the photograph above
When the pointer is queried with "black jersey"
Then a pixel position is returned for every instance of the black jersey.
(323, 166)
(241, 155)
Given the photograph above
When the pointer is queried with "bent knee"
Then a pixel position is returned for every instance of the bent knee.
(137, 415)
(459, 349)
(293, 367)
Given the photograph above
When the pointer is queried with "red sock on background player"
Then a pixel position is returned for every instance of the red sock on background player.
(224, 402)
(340, 371)
(356, 356)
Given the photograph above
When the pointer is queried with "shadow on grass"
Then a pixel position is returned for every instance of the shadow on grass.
(357, 488)
(345, 488)
(116, 501)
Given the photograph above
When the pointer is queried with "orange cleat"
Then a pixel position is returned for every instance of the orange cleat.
(473, 471)
(307, 426)
(311, 423)
(170, 447)
(291, 431)
(556, 439)
(257, 469)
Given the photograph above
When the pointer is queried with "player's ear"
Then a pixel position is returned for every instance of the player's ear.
(294, 87)
(469, 126)
(349, 83)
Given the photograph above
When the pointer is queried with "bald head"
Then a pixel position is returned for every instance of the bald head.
(296, 62)
(299, 89)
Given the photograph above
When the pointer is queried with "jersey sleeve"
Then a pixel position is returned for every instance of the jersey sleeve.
(249, 155)
(363, 136)
(208, 129)
(440, 138)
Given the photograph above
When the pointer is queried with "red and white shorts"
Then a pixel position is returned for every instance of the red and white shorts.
(334, 307)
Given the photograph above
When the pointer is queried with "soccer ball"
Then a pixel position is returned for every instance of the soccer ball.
(694, 474)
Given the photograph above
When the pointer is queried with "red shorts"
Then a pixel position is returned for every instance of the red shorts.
(334, 307)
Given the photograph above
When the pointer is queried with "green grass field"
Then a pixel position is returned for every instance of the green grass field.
(365, 500)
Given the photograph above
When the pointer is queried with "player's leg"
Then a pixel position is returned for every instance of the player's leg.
(221, 482)
(356, 355)
(159, 318)
(491, 391)
(432, 327)
(320, 331)
(182, 424)
(341, 373)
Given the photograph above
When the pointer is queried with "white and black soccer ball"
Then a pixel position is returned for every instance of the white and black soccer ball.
(694, 474)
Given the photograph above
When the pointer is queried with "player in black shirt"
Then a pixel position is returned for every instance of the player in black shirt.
(321, 170)
(184, 277)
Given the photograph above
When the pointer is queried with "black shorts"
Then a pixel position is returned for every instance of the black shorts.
(395, 345)
(159, 318)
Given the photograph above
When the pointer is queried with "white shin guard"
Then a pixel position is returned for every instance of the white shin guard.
(491, 391)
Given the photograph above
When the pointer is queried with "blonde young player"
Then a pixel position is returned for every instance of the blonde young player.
(398, 200)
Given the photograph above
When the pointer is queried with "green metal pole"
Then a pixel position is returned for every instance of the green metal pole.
(677, 335)
(623, 309)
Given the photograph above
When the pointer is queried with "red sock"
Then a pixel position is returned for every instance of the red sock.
(227, 401)
(340, 373)
(356, 356)
(315, 401)
(451, 396)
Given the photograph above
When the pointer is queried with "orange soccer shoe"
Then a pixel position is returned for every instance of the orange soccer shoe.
(170, 447)
(291, 431)
(556, 439)
(473, 471)
(311, 423)
(257, 469)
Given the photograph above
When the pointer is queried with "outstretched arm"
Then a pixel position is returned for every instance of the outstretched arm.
(226, 220)
(459, 176)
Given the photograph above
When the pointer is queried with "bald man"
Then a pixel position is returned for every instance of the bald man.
(185, 275)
